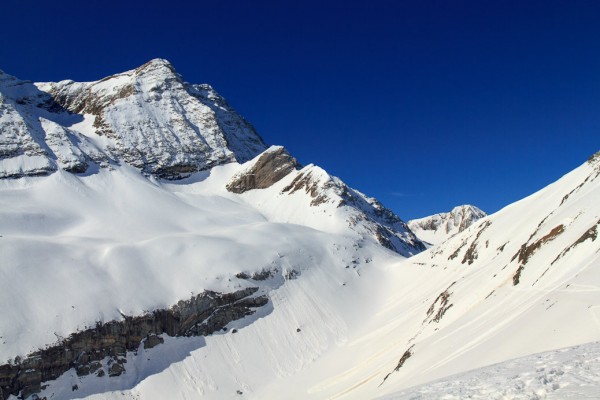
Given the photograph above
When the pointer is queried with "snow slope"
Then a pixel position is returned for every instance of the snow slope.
(115, 242)
(337, 332)
(521, 281)
(100, 246)
(570, 373)
(435, 229)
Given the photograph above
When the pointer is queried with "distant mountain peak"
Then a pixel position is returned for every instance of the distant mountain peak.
(439, 227)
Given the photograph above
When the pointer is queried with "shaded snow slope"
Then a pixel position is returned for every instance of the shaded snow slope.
(147, 117)
(435, 229)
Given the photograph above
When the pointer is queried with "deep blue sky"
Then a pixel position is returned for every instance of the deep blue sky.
(422, 104)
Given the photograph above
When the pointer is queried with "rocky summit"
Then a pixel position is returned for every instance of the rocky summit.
(147, 117)
(439, 227)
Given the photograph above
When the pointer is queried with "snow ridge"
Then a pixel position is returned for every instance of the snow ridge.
(275, 183)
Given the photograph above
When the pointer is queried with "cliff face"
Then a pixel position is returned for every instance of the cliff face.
(147, 117)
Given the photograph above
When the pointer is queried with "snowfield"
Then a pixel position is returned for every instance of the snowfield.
(338, 330)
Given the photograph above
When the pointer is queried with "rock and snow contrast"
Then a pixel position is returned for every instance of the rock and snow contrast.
(152, 246)
(147, 117)
(435, 229)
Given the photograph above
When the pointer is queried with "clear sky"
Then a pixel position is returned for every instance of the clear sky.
(422, 104)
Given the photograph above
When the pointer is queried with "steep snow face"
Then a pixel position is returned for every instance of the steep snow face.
(435, 229)
(147, 117)
(30, 142)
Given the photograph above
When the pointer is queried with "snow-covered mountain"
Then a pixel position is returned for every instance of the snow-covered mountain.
(147, 117)
(251, 276)
(436, 228)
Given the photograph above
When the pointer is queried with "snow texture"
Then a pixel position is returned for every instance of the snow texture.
(336, 330)
(570, 373)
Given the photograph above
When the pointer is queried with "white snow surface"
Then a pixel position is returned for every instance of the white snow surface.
(569, 373)
(437, 228)
(77, 249)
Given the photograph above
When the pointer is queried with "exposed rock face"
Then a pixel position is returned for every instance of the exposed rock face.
(270, 167)
(439, 227)
(147, 117)
(333, 200)
(364, 215)
(202, 315)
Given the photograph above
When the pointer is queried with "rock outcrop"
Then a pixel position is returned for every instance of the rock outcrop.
(365, 215)
(201, 315)
(271, 167)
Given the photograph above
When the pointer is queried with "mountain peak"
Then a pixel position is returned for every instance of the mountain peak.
(155, 62)
(156, 65)
(439, 227)
(147, 117)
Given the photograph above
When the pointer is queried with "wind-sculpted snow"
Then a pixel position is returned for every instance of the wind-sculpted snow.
(147, 117)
